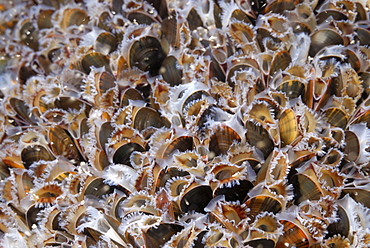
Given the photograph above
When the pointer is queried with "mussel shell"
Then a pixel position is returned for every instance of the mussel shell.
(342, 225)
(238, 192)
(293, 235)
(222, 139)
(31, 215)
(292, 88)
(305, 188)
(359, 195)
(96, 187)
(336, 117)
(105, 133)
(279, 6)
(130, 94)
(106, 43)
(94, 59)
(362, 36)
(288, 127)
(22, 110)
(170, 30)
(259, 137)
(160, 6)
(170, 71)
(323, 38)
(35, 153)
(122, 154)
(194, 19)
(335, 14)
(62, 144)
(181, 144)
(263, 203)
(260, 243)
(140, 17)
(29, 35)
(148, 117)
(147, 54)
(44, 19)
(48, 194)
(280, 61)
(74, 17)
(157, 236)
(352, 149)
(196, 199)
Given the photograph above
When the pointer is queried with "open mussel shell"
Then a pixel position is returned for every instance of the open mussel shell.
(306, 188)
(46, 195)
(362, 36)
(280, 61)
(140, 17)
(96, 187)
(44, 19)
(360, 195)
(147, 54)
(106, 43)
(336, 117)
(237, 192)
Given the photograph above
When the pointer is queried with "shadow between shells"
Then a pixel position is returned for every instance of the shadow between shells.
(164, 123)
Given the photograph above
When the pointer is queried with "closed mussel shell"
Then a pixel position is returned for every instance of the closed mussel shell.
(222, 139)
(29, 35)
(181, 144)
(293, 235)
(288, 127)
(74, 17)
(170, 71)
(148, 117)
(259, 137)
(263, 203)
(95, 59)
(35, 153)
(147, 54)
(62, 144)
(292, 88)
(195, 198)
(322, 38)
(336, 117)
(157, 236)
(130, 94)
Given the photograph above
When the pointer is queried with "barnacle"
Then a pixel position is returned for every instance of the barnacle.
(164, 123)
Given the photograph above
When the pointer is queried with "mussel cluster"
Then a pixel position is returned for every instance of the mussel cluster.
(184, 123)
